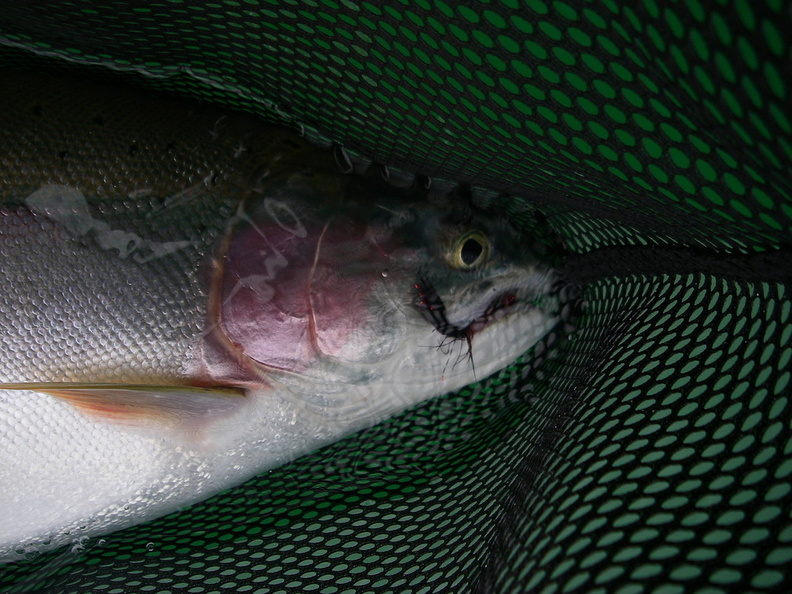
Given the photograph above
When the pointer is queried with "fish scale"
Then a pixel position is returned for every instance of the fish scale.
(194, 297)
(89, 327)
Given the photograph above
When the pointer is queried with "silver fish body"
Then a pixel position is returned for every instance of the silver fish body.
(192, 298)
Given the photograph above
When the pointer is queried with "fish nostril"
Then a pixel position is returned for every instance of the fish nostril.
(485, 285)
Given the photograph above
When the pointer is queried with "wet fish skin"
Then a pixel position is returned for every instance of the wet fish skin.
(114, 143)
(152, 167)
(147, 242)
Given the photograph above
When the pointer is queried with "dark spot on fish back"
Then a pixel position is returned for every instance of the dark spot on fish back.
(98, 120)
(37, 110)
(170, 146)
(63, 155)
(133, 148)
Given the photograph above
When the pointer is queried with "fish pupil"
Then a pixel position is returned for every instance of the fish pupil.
(470, 252)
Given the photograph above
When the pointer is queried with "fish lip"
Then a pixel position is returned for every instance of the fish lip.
(500, 306)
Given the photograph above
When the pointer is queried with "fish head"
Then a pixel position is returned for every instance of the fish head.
(348, 293)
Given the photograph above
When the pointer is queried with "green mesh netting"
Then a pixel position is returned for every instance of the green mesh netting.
(651, 451)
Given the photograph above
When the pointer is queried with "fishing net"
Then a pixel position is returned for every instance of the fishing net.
(647, 449)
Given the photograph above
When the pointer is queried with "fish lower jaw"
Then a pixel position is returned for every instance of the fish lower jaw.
(480, 325)
(475, 319)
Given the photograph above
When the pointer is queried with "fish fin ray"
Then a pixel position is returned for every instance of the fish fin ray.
(141, 404)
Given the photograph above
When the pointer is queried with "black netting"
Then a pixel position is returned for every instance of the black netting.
(650, 452)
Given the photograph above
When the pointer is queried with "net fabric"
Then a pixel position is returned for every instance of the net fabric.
(676, 114)
(651, 452)
(673, 470)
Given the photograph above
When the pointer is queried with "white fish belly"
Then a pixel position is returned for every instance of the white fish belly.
(66, 475)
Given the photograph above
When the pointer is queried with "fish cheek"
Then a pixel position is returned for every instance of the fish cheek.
(368, 335)
(354, 318)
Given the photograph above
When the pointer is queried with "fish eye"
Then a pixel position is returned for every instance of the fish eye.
(470, 250)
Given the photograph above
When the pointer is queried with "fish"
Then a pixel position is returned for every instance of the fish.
(192, 297)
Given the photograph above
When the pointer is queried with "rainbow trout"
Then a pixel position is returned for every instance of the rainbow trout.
(192, 297)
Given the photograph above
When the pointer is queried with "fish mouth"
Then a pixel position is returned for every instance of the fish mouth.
(431, 306)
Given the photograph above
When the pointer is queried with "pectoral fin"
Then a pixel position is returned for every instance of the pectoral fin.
(143, 405)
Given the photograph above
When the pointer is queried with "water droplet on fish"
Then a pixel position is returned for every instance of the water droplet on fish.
(150, 546)
(29, 551)
(385, 273)
(102, 542)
